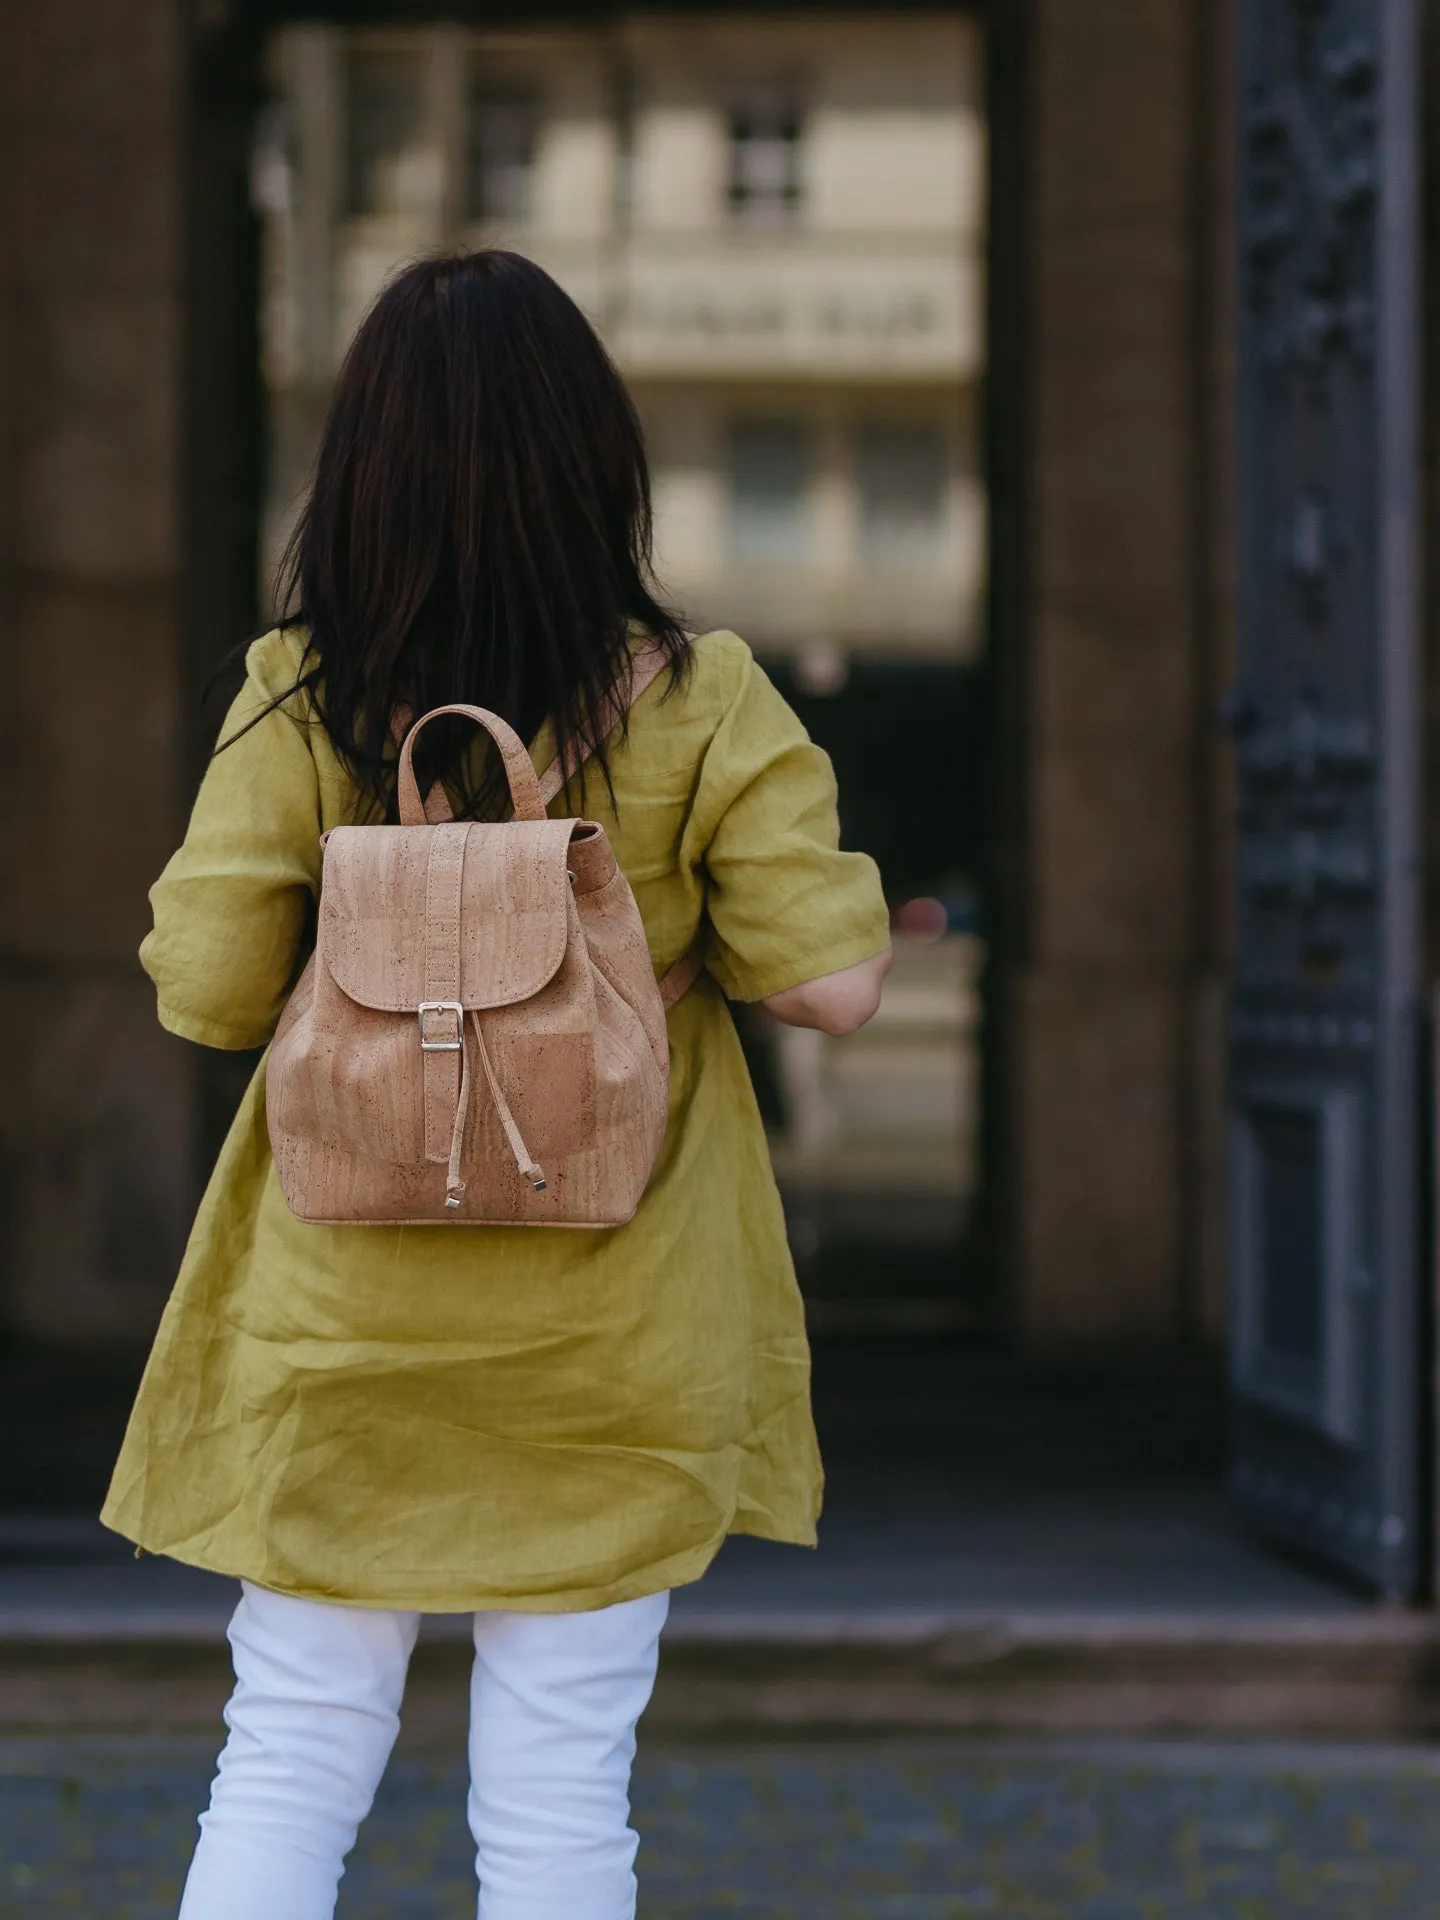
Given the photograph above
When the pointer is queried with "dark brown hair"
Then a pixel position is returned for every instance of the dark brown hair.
(478, 528)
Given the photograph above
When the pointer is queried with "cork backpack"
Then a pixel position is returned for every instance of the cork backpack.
(479, 1036)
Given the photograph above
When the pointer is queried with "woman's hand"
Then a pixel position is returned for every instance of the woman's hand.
(836, 1003)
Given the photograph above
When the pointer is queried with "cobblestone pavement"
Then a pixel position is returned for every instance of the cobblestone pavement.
(103, 1829)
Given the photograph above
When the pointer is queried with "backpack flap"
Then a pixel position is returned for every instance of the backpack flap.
(493, 900)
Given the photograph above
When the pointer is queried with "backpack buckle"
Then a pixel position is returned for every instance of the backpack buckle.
(441, 1006)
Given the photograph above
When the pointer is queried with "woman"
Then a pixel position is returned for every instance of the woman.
(546, 1429)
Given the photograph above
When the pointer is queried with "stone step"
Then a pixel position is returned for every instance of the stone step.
(1360, 1676)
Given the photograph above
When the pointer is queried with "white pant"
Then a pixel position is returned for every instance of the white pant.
(553, 1703)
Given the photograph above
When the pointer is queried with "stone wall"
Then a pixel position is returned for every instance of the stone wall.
(95, 1128)
(1113, 995)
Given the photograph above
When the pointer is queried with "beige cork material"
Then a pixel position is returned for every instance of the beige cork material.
(479, 1036)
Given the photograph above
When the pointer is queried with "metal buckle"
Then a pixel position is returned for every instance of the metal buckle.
(441, 1006)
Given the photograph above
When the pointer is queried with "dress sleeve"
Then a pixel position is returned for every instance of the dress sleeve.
(784, 904)
(233, 906)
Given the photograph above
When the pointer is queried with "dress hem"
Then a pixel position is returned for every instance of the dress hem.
(681, 1570)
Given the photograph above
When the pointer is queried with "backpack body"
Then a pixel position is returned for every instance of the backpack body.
(479, 1037)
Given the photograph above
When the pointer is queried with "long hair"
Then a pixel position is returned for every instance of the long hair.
(478, 529)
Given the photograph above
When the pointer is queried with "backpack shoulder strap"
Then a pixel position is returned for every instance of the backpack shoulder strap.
(644, 667)
(677, 981)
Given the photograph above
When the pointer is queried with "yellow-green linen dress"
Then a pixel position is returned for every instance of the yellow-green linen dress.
(447, 1418)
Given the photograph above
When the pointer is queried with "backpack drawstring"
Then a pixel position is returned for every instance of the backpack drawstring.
(525, 1161)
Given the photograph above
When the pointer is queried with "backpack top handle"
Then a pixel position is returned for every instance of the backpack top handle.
(519, 768)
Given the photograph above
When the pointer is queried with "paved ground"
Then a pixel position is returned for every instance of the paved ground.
(939, 1833)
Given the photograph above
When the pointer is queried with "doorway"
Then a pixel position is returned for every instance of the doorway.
(782, 226)
(778, 223)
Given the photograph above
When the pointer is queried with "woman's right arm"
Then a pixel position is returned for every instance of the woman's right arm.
(836, 1003)
(234, 903)
(794, 921)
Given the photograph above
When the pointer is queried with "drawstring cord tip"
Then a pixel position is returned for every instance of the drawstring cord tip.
(529, 1168)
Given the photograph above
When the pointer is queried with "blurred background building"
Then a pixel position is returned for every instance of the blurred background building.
(930, 313)
(778, 224)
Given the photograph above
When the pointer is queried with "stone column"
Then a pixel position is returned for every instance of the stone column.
(1111, 1000)
(97, 1120)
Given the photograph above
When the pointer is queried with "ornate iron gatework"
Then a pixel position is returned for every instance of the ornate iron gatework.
(1325, 1033)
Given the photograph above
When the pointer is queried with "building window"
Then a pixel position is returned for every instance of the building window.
(770, 463)
(766, 129)
(900, 477)
(387, 170)
(502, 128)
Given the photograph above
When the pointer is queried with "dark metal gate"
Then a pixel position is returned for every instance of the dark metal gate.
(1325, 1096)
